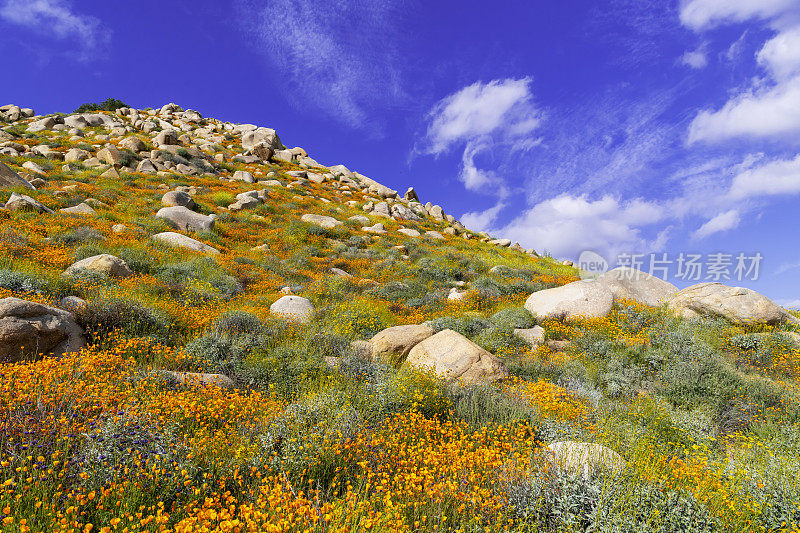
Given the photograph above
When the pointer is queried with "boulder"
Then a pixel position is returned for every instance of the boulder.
(177, 198)
(401, 212)
(263, 151)
(9, 178)
(434, 235)
(583, 458)
(243, 175)
(81, 209)
(284, 156)
(107, 264)
(579, 299)
(186, 219)
(411, 195)
(33, 167)
(146, 166)
(735, 304)
(321, 220)
(29, 329)
(166, 138)
(110, 155)
(21, 202)
(267, 136)
(134, 144)
(360, 219)
(294, 308)
(377, 229)
(341, 273)
(408, 232)
(179, 240)
(111, 174)
(631, 284)
(392, 345)
(76, 154)
(533, 336)
(455, 358)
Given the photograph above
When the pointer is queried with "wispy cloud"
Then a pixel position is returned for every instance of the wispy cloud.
(702, 14)
(786, 267)
(722, 222)
(341, 58)
(768, 106)
(775, 177)
(697, 58)
(57, 19)
(484, 118)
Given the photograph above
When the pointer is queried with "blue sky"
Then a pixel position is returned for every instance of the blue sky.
(619, 126)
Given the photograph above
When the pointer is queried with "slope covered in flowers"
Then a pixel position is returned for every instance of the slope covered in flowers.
(315, 438)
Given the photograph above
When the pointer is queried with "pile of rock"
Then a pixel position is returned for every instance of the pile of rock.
(594, 298)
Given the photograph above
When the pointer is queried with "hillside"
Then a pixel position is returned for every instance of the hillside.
(204, 330)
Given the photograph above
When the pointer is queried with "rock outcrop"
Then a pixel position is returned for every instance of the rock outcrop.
(631, 284)
(579, 299)
(294, 308)
(392, 345)
(735, 304)
(29, 329)
(455, 358)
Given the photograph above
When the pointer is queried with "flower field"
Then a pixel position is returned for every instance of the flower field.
(312, 436)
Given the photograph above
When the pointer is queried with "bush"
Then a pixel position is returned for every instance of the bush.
(468, 325)
(99, 319)
(200, 280)
(513, 318)
(110, 104)
(359, 319)
(228, 343)
(82, 234)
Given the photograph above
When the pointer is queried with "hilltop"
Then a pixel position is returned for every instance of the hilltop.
(202, 329)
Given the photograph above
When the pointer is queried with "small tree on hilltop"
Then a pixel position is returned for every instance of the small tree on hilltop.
(111, 104)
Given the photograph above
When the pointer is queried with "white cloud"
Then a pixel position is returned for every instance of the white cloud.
(474, 178)
(701, 14)
(770, 107)
(482, 220)
(755, 113)
(500, 106)
(696, 59)
(567, 225)
(781, 54)
(772, 178)
(338, 57)
(57, 19)
(722, 222)
(736, 49)
(487, 119)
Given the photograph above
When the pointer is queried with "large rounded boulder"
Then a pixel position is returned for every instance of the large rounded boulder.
(392, 345)
(107, 264)
(293, 308)
(579, 299)
(631, 284)
(455, 358)
(186, 219)
(29, 329)
(583, 458)
(735, 304)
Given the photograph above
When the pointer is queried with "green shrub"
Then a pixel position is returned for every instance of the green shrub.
(513, 318)
(468, 325)
(110, 104)
(132, 319)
